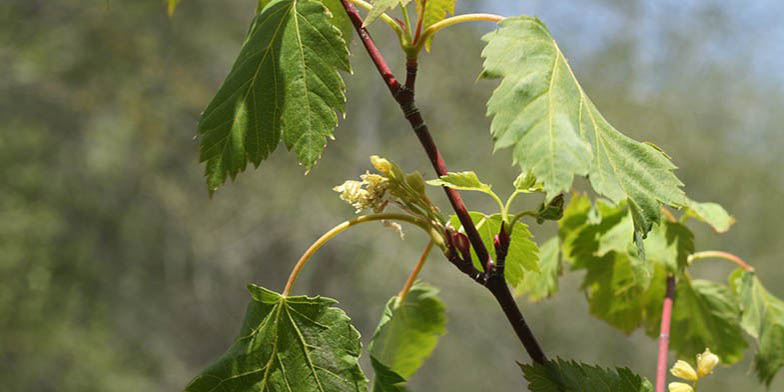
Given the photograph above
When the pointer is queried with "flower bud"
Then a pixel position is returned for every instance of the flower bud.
(680, 387)
(706, 362)
(382, 165)
(683, 370)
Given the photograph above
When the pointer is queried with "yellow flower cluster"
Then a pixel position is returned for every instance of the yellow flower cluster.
(706, 362)
(367, 194)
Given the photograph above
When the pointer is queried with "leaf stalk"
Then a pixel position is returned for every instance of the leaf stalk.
(343, 227)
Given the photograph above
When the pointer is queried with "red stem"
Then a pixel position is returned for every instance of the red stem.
(664, 335)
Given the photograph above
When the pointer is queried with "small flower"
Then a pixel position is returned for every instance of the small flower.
(680, 387)
(683, 370)
(706, 362)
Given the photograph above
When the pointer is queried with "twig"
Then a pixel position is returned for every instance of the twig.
(492, 279)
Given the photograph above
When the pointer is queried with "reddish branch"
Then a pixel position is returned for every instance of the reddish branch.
(492, 278)
(664, 335)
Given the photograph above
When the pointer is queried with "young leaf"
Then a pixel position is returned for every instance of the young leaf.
(570, 376)
(288, 343)
(706, 314)
(541, 285)
(712, 214)
(284, 86)
(406, 336)
(541, 111)
(464, 181)
(381, 6)
(523, 253)
(435, 11)
(763, 319)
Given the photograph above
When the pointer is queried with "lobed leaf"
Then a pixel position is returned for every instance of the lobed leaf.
(288, 343)
(763, 319)
(464, 181)
(706, 314)
(284, 86)
(406, 336)
(523, 253)
(541, 111)
(570, 376)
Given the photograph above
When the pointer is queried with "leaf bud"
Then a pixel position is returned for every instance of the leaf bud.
(552, 211)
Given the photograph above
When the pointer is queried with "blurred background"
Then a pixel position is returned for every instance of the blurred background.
(118, 273)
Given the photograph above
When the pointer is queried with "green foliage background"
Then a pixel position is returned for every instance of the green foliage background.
(117, 273)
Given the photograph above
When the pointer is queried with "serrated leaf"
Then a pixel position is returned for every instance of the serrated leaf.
(763, 319)
(288, 343)
(523, 253)
(543, 284)
(406, 336)
(284, 86)
(464, 181)
(382, 6)
(541, 111)
(339, 17)
(711, 213)
(571, 376)
(706, 314)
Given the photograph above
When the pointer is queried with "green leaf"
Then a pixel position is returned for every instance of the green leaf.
(406, 336)
(541, 285)
(706, 314)
(670, 245)
(568, 376)
(526, 182)
(339, 17)
(284, 86)
(574, 219)
(382, 6)
(288, 344)
(711, 213)
(464, 181)
(523, 253)
(763, 319)
(541, 111)
(386, 379)
(615, 286)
